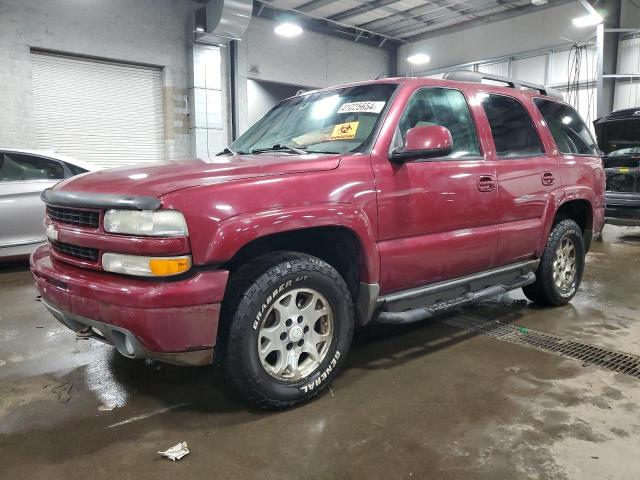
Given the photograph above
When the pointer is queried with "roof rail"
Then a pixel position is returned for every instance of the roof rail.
(477, 77)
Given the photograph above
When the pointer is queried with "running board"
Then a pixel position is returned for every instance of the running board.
(422, 313)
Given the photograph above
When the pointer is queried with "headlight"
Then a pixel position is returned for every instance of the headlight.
(161, 223)
(145, 266)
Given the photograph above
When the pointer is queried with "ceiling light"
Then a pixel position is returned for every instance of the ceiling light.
(288, 29)
(419, 58)
(588, 20)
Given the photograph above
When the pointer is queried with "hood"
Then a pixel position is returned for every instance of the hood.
(619, 130)
(160, 179)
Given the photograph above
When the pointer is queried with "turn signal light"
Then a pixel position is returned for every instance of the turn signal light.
(169, 266)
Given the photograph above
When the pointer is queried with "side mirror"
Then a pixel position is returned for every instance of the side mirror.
(427, 141)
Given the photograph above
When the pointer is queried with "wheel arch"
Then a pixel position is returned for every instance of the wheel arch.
(341, 234)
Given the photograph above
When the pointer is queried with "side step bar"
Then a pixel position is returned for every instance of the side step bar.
(422, 313)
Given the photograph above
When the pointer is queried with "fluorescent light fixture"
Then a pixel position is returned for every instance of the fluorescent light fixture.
(419, 58)
(288, 29)
(589, 20)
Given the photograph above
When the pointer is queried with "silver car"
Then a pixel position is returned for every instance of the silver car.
(23, 175)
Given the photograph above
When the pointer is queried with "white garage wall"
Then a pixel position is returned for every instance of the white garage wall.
(535, 47)
(310, 59)
(533, 31)
(627, 93)
(151, 32)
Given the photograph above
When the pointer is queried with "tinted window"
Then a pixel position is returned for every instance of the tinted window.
(74, 169)
(16, 167)
(568, 130)
(445, 107)
(513, 132)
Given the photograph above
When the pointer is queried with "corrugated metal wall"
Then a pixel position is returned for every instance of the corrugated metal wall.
(105, 113)
(628, 90)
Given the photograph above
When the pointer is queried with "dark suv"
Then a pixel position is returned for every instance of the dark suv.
(619, 139)
(384, 201)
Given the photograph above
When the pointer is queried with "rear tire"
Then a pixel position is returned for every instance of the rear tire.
(561, 267)
(287, 327)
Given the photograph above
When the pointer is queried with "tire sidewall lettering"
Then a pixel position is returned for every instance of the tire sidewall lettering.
(273, 296)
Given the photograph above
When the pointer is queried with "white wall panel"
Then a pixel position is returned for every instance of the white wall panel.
(531, 69)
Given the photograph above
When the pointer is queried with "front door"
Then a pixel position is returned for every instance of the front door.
(436, 217)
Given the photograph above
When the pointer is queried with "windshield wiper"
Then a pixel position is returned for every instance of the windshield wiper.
(280, 147)
(228, 151)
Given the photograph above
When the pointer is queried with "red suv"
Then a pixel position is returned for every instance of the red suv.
(385, 201)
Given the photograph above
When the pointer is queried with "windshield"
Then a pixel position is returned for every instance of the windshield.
(335, 121)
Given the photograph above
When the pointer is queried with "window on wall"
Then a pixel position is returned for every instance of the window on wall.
(445, 107)
(568, 130)
(513, 131)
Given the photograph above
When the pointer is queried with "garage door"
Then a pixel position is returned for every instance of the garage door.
(105, 113)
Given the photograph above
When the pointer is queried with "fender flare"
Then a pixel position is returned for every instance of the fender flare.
(559, 199)
(236, 232)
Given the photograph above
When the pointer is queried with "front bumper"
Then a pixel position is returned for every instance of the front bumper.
(175, 321)
(622, 208)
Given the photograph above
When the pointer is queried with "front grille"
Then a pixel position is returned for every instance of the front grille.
(83, 253)
(88, 218)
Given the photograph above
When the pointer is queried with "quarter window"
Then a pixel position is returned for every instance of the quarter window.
(568, 130)
(513, 131)
(444, 107)
(17, 167)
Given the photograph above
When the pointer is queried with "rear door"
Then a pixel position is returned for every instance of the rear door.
(526, 175)
(22, 178)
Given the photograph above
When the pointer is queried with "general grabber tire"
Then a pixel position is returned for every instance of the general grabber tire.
(561, 267)
(287, 326)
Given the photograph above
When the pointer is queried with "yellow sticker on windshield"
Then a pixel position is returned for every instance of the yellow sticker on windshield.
(623, 170)
(345, 131)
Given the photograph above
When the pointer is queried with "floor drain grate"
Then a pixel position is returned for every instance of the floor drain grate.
(610, 359)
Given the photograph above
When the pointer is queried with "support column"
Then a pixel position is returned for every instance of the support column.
(607, 54)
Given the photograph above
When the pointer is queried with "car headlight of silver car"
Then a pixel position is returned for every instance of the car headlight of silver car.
(156, 223)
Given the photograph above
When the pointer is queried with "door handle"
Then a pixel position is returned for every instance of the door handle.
(486, 183)
(548, 178)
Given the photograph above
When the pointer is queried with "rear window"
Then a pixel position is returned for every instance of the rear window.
(569, 131)
(511, 126)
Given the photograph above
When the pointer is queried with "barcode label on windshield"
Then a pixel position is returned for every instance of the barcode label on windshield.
(362, 107)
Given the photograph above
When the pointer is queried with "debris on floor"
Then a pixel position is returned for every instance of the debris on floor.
(176, 452)
(63, 391)
(107, 407)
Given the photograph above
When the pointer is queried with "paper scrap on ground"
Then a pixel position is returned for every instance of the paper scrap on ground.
(107, 407)
(176, 452)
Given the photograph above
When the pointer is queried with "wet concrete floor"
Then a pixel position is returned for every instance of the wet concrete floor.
(428, 401)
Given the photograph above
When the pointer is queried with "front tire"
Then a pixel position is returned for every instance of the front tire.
(287, 327)
(561, 267)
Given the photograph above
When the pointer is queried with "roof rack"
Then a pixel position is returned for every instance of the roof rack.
(477, 77)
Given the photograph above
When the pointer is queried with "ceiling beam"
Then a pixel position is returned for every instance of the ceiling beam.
(418, 16)
(314, 5)
(364, 8)
(514, 12)
(402, 29)
(264, 9)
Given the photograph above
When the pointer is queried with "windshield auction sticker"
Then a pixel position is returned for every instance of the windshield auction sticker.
(345, 131)
(362, 107)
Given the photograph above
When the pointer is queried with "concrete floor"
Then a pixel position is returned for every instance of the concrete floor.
(427, 401)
